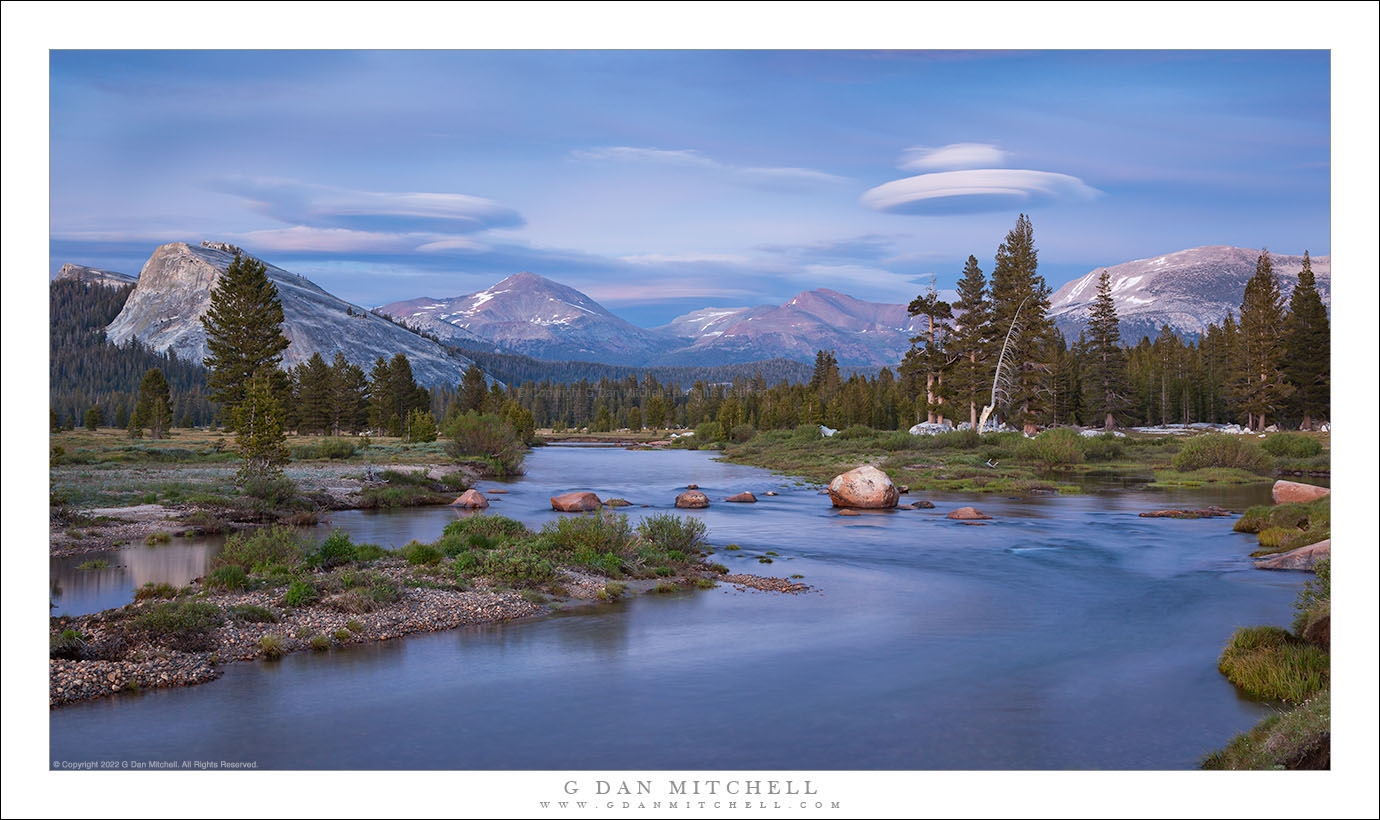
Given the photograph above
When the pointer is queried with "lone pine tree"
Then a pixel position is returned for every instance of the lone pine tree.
(153, 409)
(1020, 299)
(259, 429)
(243, 332)
(1104, 368)
(1308, 348)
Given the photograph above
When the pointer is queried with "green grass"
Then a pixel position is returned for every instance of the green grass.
(1269, 663)
(230, 577)
(152, 590)
(1206, 475)
(184, 625)
(342, 635)
(1284, 527)
(319, 643)
(354, 626)
(99, 563)
(257, 550)
(272, 646)
(1221, 451)
(300, 593)
(1296, 739)
(69, 644)
(253, 614)
(156, 538)
(612, 591)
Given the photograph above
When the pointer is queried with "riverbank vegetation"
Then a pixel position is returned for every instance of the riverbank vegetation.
(1284, 527)
(272, 592)
(1293, 668)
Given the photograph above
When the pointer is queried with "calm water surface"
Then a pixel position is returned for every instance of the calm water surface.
(1069, 633)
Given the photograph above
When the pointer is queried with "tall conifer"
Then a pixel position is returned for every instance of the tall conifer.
(243, 331)
(1308, 348)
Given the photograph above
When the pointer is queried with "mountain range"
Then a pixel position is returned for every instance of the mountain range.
(174, 290)
(530, 315)
(1186, 290)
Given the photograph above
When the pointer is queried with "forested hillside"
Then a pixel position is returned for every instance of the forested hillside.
(85, 370)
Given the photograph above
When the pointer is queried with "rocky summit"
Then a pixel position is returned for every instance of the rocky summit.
(95, 276)
(174, 291)
(1186, 290)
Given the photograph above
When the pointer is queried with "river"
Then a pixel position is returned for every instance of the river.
(1068, 634)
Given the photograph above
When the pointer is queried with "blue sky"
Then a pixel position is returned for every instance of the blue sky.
(663, 181)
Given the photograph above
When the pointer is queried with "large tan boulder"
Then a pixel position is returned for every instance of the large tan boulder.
(865, 487)
(969, 514)
(692, 500)
(471, 499)
(1290, 492)
(576, 502)
(1302, 558)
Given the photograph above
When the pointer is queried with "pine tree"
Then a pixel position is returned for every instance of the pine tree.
(971, 375)
(825, 380)
(1308, 349)
(315, 391)
(473, 389)
(1105, 367)
(1261, 383)
(349, 396)
(1019, 291)
(421, 426)
(656, 412)
(927, 355)
(259, 430)
(94, 417)
(243, 331)
(154, 406)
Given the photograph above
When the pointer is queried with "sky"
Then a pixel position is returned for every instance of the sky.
(659, 182)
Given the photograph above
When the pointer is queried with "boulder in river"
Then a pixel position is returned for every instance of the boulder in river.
(969, 514)
(1305, 558)
(849, 511)
(692, 486)
(922, 504)
(769, 492)
(575, 502)
(692, 500)
(1288, 492)
(742, 498)
(1206, 512)
(866, 487)
(618, 502)
(471, 499)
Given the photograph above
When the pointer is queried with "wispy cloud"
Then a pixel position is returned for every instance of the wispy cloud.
(323, 206)
(953, 157)
(776, 178)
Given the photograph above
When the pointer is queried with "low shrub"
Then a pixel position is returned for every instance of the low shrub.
(93, 565)
(152, 590)
(1314, 597)
(184, 625)
(274, 491)
(253, 614)
(455, 481)
(1272, 537)
(1059, 447)
(486, 437)
(855, 431)
(366, 553)
(600, 533)
(1105, 447)
(1268, 662)
(300, 593)
(67, 644)
(229, 577)
(1221, 451)
(612, 591)
(674, 532)
(255, 551)
(519, 567)
(320, 643)
(272, 646)
(1291, 445)
(342, 635)
(156, 538)
(336, 549)
(419, 554)
(742, 432)
(496, 527)
(664, 587)
(336, 448)
(354, 626)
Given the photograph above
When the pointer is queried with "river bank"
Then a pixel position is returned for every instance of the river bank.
(273, 593)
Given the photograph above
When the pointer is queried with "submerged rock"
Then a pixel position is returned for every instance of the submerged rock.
(922, 504)
(1288, 492)
(866, 487)
(576, 502)
(692, 500)
(969, 514)
(742, 498)
(471, 499)
(849, 511)
(1305, 558)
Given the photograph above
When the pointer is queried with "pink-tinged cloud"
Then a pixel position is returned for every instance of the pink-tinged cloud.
(780, 178)
(975, 191)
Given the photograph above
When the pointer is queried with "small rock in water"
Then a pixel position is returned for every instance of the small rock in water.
(969, 514)
(576, 502)
(471, 499)
(742, 498)
(847, 511)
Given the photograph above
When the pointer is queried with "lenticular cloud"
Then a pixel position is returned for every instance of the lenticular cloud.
(975, 191)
